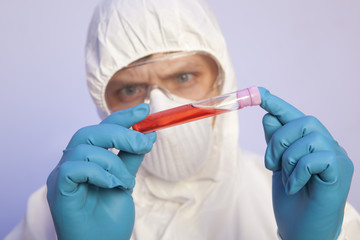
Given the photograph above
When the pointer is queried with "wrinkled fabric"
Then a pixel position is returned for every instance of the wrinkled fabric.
(249, 210)
(124, 31)
(172, 157)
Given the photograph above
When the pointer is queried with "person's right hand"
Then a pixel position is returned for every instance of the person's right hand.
(89, 191)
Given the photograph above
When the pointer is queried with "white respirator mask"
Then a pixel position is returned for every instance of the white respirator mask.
(180, 151)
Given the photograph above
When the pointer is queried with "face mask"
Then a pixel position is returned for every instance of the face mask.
(180, 151)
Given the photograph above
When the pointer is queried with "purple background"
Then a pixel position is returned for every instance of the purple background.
(307, 52)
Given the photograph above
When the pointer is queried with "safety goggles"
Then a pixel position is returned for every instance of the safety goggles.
(190, 75)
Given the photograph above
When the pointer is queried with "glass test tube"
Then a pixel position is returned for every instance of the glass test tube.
(199, 110)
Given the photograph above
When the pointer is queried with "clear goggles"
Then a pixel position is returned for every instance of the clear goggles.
(189, 75)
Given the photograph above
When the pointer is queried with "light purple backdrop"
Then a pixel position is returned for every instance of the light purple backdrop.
(305, 51)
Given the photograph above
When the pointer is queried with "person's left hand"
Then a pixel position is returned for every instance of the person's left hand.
(311, 172)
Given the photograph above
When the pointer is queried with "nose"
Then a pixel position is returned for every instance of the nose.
(154, 92)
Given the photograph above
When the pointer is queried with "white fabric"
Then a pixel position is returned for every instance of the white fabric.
(248, 207)
(172, 157)
(37, 222)
(230, 196)
(133, 29)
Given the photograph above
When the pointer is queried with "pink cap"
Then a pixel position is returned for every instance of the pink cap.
(255, 95)
(249, 97)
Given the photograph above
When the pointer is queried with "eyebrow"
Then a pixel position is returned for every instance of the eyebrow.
(124, 78)
(180, 66)
(128, 82)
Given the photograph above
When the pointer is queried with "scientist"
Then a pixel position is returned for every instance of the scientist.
(192, 181)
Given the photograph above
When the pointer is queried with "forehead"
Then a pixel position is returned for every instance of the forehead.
(163, 64)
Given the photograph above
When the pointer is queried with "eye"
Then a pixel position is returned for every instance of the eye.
(184, 77)
(129, 90)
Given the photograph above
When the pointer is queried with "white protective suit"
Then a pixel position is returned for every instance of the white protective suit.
(230, 197)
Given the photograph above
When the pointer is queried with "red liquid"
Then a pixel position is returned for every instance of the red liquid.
(174, 116)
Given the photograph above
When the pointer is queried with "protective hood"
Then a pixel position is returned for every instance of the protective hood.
(122, 31)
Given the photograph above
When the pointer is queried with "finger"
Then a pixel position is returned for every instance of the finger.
(128, 117)
(323, 164)
(285, 136)
(113, 136)
(73, 173)
(131, 161)
(270, 124)
(278, 107)
(313, 142)
(109, 161)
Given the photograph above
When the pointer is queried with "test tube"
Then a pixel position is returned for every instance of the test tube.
(199, 110)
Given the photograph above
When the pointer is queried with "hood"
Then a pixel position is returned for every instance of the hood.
(122, 31)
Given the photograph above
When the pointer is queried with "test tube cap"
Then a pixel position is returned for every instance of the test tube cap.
(255, 95)
(249, 97)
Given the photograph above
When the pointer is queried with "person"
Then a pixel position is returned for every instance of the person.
(192, 181)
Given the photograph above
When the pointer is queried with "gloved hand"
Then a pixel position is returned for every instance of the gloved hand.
(89, 191)
(311, 172)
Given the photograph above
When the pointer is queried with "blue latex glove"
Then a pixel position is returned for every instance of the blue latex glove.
(311, 172)
(89, 191)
